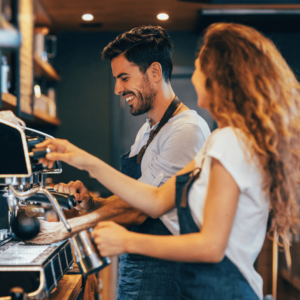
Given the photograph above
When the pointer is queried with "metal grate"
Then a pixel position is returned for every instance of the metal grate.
(49, 278)
(69, 254)
(57, 270)
(21, 254)
(63, 260)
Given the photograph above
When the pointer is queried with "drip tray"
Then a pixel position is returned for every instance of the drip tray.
(21, 254)
(35, 268)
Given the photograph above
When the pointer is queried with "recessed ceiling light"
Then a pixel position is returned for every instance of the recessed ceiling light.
(87, 17)
(162, 16)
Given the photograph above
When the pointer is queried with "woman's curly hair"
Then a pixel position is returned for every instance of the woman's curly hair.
(252, 88)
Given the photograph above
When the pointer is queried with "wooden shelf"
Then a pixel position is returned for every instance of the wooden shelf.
(43, 119)
(9, 102)
(44, 68)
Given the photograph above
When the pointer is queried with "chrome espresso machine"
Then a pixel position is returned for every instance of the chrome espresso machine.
(36, 269)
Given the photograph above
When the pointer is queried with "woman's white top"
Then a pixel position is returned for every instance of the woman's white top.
(250, 223)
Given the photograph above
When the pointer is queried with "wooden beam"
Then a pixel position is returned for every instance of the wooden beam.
(42, 17)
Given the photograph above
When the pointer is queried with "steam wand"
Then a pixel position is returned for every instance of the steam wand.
(52, 199)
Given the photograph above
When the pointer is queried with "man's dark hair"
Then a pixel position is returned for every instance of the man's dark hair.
(143, 46)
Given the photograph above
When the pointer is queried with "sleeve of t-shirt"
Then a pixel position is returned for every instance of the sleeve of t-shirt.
(228, 149)
(176, 152)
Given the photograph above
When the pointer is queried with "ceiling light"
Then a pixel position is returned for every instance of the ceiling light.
(162, 16)
(87, 17)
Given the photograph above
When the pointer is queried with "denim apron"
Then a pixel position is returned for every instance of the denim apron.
(206, 281)
(142, 277)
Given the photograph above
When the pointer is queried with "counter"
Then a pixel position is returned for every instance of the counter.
(69, 288)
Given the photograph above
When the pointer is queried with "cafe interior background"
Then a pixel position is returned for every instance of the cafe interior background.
(56, 81)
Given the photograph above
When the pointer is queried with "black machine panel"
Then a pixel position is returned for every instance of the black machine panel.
(69, 253)
(50, 284)
(12, 157)
(29, 281)
(39, 261)
(57, 270)
(63, 261)
(4, 222)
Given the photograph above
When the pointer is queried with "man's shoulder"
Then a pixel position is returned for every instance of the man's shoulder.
(189, 118)
(186, 117)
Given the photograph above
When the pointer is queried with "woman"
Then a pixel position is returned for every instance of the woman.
(247, 167)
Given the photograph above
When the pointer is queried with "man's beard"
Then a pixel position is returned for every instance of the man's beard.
(146, 100)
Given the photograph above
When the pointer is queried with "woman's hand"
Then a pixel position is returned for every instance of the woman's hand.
(65, 151)
(111, 239)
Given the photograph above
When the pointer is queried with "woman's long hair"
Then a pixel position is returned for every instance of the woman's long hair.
(252, 88)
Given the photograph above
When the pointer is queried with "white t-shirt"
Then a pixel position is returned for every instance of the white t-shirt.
(176, 145)
(250, 223)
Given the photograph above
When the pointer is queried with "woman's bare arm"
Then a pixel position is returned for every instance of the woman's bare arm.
(206, 246)
(156, 201)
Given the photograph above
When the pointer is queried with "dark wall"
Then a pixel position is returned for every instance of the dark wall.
(85, 93)
(185, 48)
(289, 46)
(187, 45)
(83, 99)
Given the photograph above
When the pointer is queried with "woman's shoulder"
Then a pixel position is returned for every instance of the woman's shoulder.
(225, 144)
(225, 134)
(226, 138)
(229, 146)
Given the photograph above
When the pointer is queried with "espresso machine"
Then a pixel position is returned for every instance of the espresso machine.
(36, 269)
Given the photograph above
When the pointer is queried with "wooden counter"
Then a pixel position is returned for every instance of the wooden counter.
(68, 288)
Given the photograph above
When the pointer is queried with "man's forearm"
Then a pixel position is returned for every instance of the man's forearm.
(115, 210)
(100, 202)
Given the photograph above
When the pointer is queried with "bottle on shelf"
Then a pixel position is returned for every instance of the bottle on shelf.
(39, 42)
(52, 102)
(5, 84)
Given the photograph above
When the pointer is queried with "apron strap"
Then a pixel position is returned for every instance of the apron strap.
(275, 266)
(275, 263)
(193, 176)
(166, 117)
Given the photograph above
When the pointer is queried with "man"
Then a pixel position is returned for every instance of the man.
(141, 64)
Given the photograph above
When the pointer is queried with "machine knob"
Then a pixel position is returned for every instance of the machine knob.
(39, 153)
(17, 293)
(25, 227)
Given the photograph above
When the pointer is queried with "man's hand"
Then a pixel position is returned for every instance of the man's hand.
(50, 232)
(111, 239)
(65, 151)
(84, 200)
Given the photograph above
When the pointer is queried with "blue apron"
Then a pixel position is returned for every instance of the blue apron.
(142, 277)
(206, 281)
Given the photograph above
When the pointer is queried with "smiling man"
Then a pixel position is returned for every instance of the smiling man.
(141, 61)
(138, 91)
